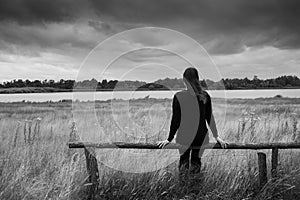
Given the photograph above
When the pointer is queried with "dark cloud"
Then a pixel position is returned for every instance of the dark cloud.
(41, 11)
(215, 13)
(238, 22)
(224, 27)
(101, 26)
(55, 36)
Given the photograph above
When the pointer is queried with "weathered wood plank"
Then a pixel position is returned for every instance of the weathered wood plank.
(262, 168)
(92, 169)
(91, 165)
(274, 162)
(177, 146)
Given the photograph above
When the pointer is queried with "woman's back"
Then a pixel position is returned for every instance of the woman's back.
(191, 114)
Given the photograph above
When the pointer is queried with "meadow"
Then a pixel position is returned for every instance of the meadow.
(36, 163)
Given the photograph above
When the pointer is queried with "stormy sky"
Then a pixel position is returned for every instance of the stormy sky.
(41, 39)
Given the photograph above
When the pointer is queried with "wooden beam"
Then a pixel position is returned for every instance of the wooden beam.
(177, 146)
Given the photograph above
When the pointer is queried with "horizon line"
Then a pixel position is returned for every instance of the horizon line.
(24, 79)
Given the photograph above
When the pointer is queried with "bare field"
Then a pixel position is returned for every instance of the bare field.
(35, 162)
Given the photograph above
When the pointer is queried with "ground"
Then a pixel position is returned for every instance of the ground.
(43, 167)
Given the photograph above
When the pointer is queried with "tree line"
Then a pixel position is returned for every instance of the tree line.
(161, 84)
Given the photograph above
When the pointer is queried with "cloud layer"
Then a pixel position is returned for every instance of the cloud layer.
(223, 26)
(73, 27)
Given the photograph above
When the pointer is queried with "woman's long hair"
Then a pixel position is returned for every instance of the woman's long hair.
(191, 77)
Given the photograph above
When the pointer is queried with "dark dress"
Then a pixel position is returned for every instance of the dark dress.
(189, 118)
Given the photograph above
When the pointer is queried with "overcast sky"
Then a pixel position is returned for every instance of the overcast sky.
(42, 39)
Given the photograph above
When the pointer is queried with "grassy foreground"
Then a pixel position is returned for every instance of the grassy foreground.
(35, 162)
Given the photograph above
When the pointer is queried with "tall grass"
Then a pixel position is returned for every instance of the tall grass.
(45, 168)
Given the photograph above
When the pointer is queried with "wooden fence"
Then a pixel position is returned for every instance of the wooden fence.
(92, 166)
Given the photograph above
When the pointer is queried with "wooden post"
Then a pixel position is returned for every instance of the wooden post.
(262, 168)
(92, 169)
(91, 165)
(274, 162)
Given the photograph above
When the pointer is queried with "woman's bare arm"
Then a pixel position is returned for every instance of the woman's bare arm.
(212, 123)
(176, 117)
(175, 122)
(213, 126)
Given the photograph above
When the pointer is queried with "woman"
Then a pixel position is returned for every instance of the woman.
(191, 110)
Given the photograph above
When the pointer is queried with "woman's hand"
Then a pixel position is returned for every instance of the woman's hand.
(221, 142)
(162, 144)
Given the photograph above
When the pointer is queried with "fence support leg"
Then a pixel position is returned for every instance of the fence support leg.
(262, 167)
(274, 162)
(92, 169)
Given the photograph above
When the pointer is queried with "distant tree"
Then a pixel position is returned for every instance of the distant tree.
(45, 83)
(37, 83)
(51, 83)
(69, 84)
(27, 83)
(111, 84)
(104, 83)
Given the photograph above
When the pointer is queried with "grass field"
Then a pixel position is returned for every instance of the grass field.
(44, 167)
